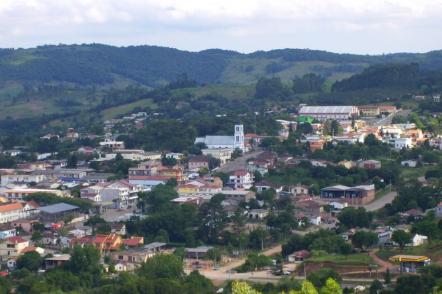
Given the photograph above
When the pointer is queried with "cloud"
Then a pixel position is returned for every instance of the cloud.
(367, 26)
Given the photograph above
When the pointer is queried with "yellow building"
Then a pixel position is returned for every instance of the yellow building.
(411, 263)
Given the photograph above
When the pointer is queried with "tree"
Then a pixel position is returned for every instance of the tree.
(355, 217)
(30, 260)
(401, 237)
(197, 283)
(236, 153)
(308, 288)
(320, 277)
(72, 161)
(94, 221)
(243, 288)
(375, 287)
(331, 287)
(257, 238)
(387, 277)
(162, 266)
(84, 260)
(363, 239)
(213, 219)
(295, 243)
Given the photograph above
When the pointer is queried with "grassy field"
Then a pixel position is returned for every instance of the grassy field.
(351, 259)
(116, 111)
(433, 250)
(409, 173)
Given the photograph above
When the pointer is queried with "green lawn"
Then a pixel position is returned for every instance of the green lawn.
(351, 259)
(409, 173)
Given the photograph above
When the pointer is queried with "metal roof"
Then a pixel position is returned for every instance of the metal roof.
(327, 109)
(216, 140)
(57, 208)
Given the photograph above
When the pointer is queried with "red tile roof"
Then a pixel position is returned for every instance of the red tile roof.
(133, 241)
(16, 239)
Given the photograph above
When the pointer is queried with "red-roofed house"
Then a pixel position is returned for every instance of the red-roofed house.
(133, 241)
(103, 243)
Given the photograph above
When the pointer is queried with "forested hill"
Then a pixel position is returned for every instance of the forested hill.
(97, 64)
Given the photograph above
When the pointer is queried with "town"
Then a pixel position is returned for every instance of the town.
(347, 192)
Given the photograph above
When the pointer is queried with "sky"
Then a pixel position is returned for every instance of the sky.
(353, 26)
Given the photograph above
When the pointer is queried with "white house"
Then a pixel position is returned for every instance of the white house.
(419, 240)
(241, 179)
(409, 163)
(400, 143)
(120, 194)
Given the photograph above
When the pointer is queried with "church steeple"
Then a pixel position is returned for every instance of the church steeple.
(239, 137)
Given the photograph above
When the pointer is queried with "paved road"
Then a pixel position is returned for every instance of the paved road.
(380, 202)
(239, 163)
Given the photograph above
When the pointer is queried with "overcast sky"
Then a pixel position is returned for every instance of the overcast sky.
(356, 26)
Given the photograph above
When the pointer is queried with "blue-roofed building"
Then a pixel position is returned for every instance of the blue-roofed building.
(58, 211)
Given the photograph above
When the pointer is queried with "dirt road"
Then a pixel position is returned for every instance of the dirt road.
(380, 202)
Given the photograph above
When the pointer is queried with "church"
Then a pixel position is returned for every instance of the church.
(225, 142)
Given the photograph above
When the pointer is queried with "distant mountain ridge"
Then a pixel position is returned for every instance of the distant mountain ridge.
(97, 64)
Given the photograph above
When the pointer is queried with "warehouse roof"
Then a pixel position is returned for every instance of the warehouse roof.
(57, 208)
(327, 109)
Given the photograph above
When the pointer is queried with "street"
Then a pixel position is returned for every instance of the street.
(380, 202)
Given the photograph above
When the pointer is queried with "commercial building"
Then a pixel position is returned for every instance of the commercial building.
(410, 263)
(358, 195)
(323, 113)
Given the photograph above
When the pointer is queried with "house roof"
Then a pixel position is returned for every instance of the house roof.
(133, 241)
(10, 207)
(199, 158)
(16, 239)
(58, 208)
(154, 245)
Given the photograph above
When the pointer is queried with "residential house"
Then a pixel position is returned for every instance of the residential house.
(7, 230)
(238, 195)
(117, 194)
(298, 256)
(133, 241)
(12, 211)
(266, 185)
(223, 154)
(241, 179)
(20, 193)
(12, 247)
(257, 214)
(104, 243)
(369, 164)
(198, 162)
(57, 260)
(298, 189)
(348, 164)
(419, 240)
(409, 163)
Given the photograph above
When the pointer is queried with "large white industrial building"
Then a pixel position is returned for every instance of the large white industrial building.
(330, 112)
